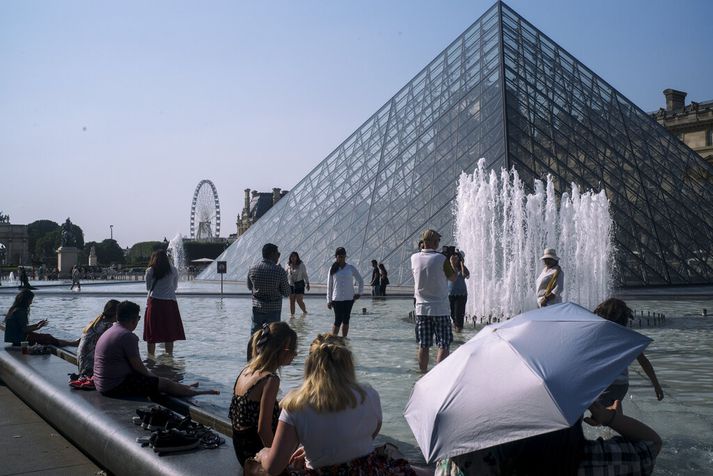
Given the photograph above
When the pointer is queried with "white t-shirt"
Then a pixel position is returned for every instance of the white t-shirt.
(165, 287)
(337, 437)
(340, 285)
(297, 274)
(430, 283)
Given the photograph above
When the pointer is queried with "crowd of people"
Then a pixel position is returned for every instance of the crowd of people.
(328, 424)
(44, 273)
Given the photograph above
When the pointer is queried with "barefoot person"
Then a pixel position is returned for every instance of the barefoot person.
(162, 322)
(632, 452)
(550, 282)
(431, 273)
(18, 328)
(616, 310)
(298, 280)
(340, 290)
(268, 284)
(458, 291)
(118, 369)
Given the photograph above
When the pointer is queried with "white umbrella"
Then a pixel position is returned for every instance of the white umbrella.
(536, 373)
(202, 260)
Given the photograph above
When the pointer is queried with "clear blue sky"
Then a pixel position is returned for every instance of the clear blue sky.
(112, 112)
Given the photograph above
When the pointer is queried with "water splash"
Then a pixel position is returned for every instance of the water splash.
(178, 255)
(503, 231)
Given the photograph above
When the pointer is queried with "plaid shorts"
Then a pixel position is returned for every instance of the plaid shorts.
(427, 326)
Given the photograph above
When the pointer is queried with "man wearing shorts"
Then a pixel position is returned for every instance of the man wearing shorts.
(431, 273)
(118, 369)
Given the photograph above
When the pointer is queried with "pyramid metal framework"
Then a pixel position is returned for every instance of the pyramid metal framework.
(504, 91)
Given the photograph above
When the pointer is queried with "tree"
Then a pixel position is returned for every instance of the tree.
(46, 246)
(109, 252)
(39, 230)
(44, 237)
(140, 253)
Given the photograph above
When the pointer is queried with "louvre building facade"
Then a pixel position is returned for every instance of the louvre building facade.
(504, 91)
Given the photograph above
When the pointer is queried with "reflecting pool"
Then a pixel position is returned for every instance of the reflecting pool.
(384, 346)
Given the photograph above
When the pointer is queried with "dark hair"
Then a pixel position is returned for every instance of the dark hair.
(374, 263)
(160, 264)
(615, 310)
(382, 268)
(268, 249)
(296, 255)
(335, 266)
(22, 301)
(110, 306)
(126, 311)
(554, 453)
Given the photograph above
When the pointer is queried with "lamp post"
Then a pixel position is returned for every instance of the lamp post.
(111, 231)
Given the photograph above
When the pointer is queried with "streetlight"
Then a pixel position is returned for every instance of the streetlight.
(111, 231)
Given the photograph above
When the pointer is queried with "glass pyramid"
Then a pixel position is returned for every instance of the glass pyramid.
(504, 91)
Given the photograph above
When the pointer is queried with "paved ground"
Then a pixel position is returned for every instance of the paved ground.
(29, 445)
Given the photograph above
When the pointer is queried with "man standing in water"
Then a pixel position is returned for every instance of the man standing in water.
(269, 284)
(431, 273)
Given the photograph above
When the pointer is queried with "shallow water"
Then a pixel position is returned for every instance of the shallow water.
(384, 346)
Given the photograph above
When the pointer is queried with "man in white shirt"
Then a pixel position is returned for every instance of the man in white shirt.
(431, 273)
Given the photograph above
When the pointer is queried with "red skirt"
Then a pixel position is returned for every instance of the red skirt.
(162, 321)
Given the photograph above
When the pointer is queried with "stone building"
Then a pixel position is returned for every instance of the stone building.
(256, 205)
(692, 124)
(14, 244)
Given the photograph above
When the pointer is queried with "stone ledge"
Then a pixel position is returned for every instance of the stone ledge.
(101, 426)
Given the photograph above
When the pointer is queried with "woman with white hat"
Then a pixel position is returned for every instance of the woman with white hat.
(550, 282)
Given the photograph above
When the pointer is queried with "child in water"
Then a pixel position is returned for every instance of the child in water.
(616, 310)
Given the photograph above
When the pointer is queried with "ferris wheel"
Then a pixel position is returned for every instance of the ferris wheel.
(205, 212)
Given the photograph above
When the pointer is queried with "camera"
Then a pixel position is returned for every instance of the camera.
(449, 251)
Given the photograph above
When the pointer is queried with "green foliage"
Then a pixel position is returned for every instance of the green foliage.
(39, 230)
(108, 252)
(46, 246)
(45, 236)
(78, 235)
(140, 253)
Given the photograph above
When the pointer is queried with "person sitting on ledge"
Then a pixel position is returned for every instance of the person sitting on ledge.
(118, 369)
(90, 336)
(568, 451)
(18, 329)
(335, 419)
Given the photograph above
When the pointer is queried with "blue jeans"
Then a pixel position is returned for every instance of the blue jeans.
(259, 318)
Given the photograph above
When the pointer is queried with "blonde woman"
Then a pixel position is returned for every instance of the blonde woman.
(334, 418)
(90, 336)
(254, 409)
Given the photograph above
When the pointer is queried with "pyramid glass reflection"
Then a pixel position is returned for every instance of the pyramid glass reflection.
(504, 91)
